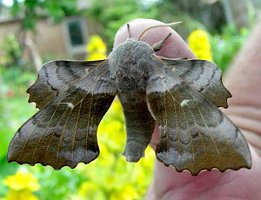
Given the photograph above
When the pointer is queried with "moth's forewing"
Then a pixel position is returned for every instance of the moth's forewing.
(202, 75)
(56, 77)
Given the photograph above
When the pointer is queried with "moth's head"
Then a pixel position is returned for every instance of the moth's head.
(133, 48)
(156, 46)
(130, 51)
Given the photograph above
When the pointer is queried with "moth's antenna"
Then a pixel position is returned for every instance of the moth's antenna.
(156, 26)
(157, 46)
(128, 28)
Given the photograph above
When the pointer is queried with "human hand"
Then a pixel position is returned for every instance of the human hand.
(244, 110)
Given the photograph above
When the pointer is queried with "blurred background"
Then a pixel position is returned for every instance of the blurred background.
(36, 31)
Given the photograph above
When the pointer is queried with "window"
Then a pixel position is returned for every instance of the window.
(76, 35)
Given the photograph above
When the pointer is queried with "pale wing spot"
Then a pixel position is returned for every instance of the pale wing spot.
(185, 102)
(69, 104)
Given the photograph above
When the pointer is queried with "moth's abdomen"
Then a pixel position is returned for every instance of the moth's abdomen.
(139, 124)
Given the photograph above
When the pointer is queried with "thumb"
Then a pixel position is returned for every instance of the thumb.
(173, 47)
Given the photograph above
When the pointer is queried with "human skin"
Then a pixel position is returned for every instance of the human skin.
(243, 81)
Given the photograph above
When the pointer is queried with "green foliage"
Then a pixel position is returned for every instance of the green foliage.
(11, 51)
(12, 86)
(227, 44)
(31, 10)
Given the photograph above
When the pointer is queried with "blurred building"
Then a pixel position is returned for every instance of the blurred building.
(63, 40)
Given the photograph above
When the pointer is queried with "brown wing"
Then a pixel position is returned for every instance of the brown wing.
(202, 75)
(194, 133)
(64, 132)
(56, 77)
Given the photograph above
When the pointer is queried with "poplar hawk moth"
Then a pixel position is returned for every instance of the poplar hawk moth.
(181, 95)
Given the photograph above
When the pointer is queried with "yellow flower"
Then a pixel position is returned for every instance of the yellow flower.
(106, 158)
(112, 130)
(87, 189)
(116, 106)
(96, 48)
(126, 193)
(199, 43)
(22, 181)
(22, 195)
(148, 161)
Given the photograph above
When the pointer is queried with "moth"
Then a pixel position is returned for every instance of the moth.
(181, 95)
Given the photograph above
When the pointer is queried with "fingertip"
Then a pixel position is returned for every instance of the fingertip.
(174, 46)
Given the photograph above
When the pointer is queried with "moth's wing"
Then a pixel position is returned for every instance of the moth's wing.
(55, 77)
(202, 75)
(64, 132)
(194, 134)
